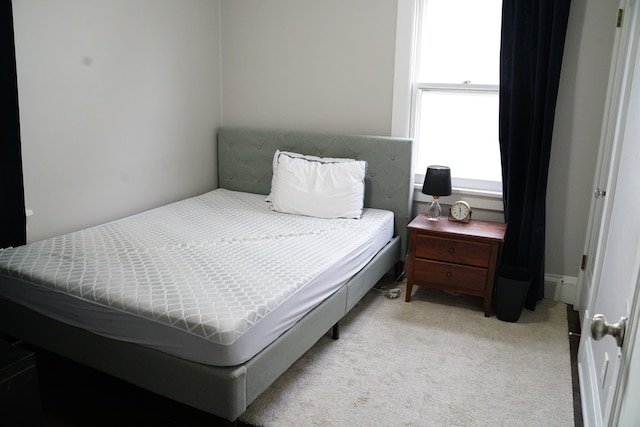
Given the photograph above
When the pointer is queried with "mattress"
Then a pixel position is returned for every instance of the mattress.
(213, 279)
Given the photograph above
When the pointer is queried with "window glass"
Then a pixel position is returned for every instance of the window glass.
(459, 129)
(460, 41)
(455, 107)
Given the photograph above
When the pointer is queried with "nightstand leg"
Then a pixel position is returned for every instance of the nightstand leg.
(407, 297)
(487, 307)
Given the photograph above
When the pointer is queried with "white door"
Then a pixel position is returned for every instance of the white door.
(617, 95)
(603, 365)
(626, 411)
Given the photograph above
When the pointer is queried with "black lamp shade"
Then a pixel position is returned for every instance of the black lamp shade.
(437, 181)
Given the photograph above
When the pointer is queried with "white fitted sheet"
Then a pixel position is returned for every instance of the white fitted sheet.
(213, 279)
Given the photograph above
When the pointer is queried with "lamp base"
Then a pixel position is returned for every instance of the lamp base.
(434, 210)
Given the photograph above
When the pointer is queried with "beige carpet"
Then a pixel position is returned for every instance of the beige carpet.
(436, 361)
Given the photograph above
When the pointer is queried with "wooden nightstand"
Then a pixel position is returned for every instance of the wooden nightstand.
(454, 256)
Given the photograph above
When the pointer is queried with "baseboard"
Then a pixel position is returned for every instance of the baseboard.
(560, 288)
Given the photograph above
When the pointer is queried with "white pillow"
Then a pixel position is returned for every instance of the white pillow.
(322, 189)
(304, 156)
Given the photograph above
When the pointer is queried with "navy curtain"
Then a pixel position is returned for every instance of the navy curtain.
(533, 35)
(13, 230)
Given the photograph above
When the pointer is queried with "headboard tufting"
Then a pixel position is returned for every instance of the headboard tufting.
(245, 164)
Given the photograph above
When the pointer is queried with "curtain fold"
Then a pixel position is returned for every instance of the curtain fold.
(532, 46)
(13, 230)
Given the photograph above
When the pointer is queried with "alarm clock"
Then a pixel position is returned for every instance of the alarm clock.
(460, 211)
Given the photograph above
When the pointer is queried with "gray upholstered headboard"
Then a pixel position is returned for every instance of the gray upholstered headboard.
(245, 158)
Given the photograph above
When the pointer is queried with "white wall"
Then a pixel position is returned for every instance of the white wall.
(576, 136)
(120, 100)
(327, 66)
(308, 64)
(119, 105)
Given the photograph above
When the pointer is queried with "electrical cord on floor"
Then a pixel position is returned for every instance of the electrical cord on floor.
(389, 293)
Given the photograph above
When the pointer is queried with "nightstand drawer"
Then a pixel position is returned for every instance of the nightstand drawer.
(456, 251)
(471, 280)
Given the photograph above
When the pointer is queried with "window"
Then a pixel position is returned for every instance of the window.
(455, 90)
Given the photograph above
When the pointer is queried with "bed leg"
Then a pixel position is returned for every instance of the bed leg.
(399, 271)
(335, 332)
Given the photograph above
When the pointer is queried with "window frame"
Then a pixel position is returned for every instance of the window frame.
(404, 122)
(419, 87)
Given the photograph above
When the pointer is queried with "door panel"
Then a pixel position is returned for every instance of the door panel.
(626, 412)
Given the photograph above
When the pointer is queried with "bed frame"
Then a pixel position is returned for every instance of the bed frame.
(245, 164)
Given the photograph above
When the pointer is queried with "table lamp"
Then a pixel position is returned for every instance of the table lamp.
(437, 182)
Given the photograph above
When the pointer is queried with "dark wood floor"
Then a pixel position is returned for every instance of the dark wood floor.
(74, 396)
(573, 320)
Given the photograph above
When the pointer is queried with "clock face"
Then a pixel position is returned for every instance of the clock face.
(460, 210)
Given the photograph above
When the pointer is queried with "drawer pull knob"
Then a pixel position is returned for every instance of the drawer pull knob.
(451, 250)
(449, 274)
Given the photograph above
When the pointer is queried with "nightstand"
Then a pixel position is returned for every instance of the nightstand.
(454, 256)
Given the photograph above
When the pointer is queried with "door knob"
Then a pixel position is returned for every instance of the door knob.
(597, 193)
(600, 328)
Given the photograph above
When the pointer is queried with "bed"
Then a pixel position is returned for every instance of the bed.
(193, 358)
